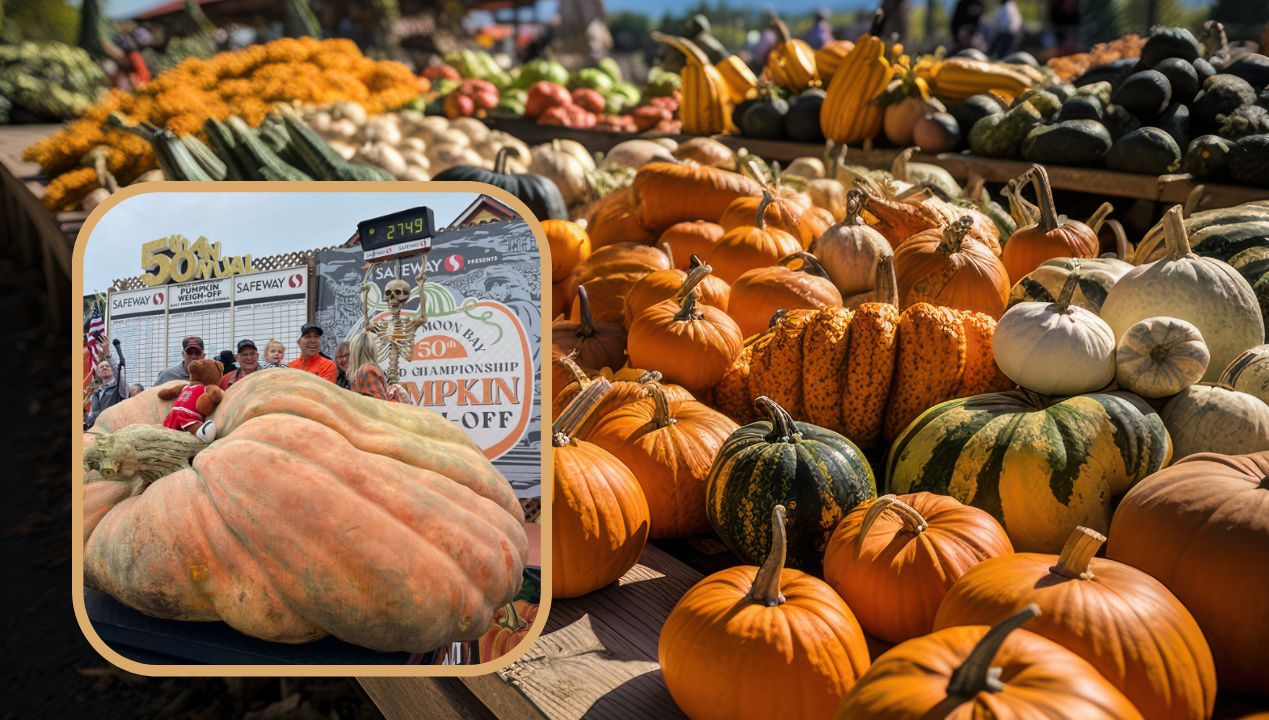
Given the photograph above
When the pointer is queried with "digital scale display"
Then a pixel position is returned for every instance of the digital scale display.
(401, 233)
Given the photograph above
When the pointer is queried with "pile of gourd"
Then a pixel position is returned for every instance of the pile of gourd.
(735, 352)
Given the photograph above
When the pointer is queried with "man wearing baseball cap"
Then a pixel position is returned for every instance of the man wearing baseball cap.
(191, 349)
(311, 359)
(248, 358)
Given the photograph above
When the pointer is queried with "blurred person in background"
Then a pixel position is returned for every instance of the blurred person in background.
(341, 364)
(107, 393)
(967, 19)
(821, 32)
(1064, 18)
(1004, 28)
(766, 42)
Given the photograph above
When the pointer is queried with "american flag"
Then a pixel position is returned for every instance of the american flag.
(93, 343)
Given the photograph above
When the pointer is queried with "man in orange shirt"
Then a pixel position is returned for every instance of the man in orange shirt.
(310, 359)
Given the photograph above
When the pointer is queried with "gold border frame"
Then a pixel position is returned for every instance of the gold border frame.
(77, 441)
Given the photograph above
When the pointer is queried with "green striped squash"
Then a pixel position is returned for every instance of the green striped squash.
(1044, 284)
(1253, 265)
(1249, 372)
(818, 476)
(1040, 467)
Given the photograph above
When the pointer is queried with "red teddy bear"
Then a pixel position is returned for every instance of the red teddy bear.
(194, 402)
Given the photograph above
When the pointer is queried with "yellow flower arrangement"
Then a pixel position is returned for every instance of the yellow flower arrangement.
(246, 83)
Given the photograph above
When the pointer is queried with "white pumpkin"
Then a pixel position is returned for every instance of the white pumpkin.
(1212, 418)
(809, 168)
(1249, 372)
(634, 154)
(706, 151)
(849, 250)
(1160, 356)
(1055, 348)
(579, 151)
(562, 168)
(886, 289)
(476, 131)
(1206, 292)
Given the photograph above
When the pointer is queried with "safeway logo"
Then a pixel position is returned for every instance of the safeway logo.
(454, 263)
(295, 281)
(157, 299)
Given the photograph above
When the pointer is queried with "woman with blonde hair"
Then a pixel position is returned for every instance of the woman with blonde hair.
(365, 377)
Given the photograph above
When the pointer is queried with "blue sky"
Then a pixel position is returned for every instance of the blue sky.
(257, 223)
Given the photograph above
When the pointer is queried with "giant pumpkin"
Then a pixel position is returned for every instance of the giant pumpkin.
(401, 536)
(1122, 621)
(1201, 527)
(1039, 465)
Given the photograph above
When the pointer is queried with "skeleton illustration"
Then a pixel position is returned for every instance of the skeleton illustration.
(395, 333)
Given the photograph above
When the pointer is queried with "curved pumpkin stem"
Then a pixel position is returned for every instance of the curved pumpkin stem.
(1175, 239)
(569, 362)
(689, 49)
(1123, 250)
(687, 310)
(899, 166)
(783, 427)
(1077, 553)
(669, 253)
(1022, 211)
(1099, 216)
(913, 521)
(1194, 199)
(855, 202)
(577, 410)
(976, 674)
(810, 264)
(954, 234)
(500, 160)
(762, 209)
(1067, 293)
(587, 327)
(1044, 196)
(661, 415)
(694, 277)
(766, 582)
(141, 454)
(887, 290)
(651, 376)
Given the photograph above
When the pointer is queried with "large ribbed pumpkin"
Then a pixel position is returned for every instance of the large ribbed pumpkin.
(1038, 466)
(1206, 292)
(316, 512)
(755, 643)
(666, 193)
(613, 219)
(815, 473)
(669, 444)
(1201, 527)
(608, 275)
(690, 237)
(997, 673)
(944, 267)
(796, 281)
(599, 516)
(1122, 621)
(1049, 238)
(892, 559)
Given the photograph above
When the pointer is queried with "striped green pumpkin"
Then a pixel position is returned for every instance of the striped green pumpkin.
(818, 476)
(1249, 372)
(1039, 467)
(1253, 265)
(1044, 284)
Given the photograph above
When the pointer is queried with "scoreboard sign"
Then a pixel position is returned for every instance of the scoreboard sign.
(407, 232)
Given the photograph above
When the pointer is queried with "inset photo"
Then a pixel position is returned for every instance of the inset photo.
(312, 429)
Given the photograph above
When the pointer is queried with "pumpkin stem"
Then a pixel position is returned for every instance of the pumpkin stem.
(887, 290)
(762, 209)
(1077, 553)
(1122, 249)
(783, 428)
(1044, 196)
(669, 253)
(913, 521)
(1175, 238)
(810, 265)
(878, 18)
(500, 160)
(587, 327)
(766, 582)
(695, 276)
(569, 362)
(1194, 199)
(650, 376)
(1069, 287)
(781, 30)
(141, 454)
(577, 410)
(1099, 216)
(687, 310)
(1020, 209)
(976, 674)
(855, 201)
(954, 234)
(661, 416)
(899, 166)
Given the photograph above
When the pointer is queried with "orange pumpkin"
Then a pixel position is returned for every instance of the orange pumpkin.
(751, 246)
(569, 245)
(944, 267)
(691, 344)
(614, 219)
(892, 559)
(267, 528)
(666, 193)
(669, 444)
(899, 218)
(628, 385)
(665, 284)
(1122, 621)
(1031, 245)
(1193, 527)
(599, 516)
(688, 238)
(598, 345)
(608, 275)
(741, 633)
(760, 292)
(998, 673)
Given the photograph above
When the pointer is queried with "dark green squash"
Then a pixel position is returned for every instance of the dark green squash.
(1221, 95)
(1081, 107)
(1207, 157)
(1100, 90)
(974, 108)
(1001, 135)
(1253, 265)
(1119, 121)
(1071, 142)
(1021, 57)
(765, 119)
(740, 108)
(802, 122)
(1244, 121)
(1144, 94)
(1147, 151)
(1183, 78)
(1253, 67)
(537, 191)
(1249, 160)
(1169, 42)
(1175, 121)
(1203, 69)
(1112, 72)
(1046, 102)
(818, 476)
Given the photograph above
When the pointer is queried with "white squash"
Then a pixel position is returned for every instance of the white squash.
(415, 172)
(412, 143)
(451, 136)
(578, 151)
(1213, 418)
(476, 131)
(1204, 291)
(850, 249)
(706, 151)
(444, 157)
(1160, 356)
(924, 174)
(1055, 348)
(634, 154)
(345, 149)
(829, 194)
(562, 168)
(1249, 372)
(383, 155)
(806, 167)
(1097, 277)
(344, 129)
(382, 129)
(349, 111)
(886, 288)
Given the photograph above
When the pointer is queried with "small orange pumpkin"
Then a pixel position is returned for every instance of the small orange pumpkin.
(569, 245)
(892, 559)
(688, 238)
(1048, 238)
(739, 634)
(608, 275)
(944, 267)
(613, 219)
(760, 292)
(691, 344)
(598, 345)
(751, 246)
(665, 284)
(666, 193)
